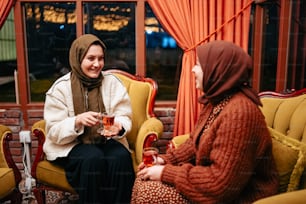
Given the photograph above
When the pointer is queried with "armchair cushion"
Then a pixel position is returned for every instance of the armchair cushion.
(51, 174)
(7, 177)
(295, 197)
(289, 155)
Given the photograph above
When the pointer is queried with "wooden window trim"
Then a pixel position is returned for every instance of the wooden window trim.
(283, 44)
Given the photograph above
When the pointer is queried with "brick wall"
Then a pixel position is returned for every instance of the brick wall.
(13, 119)
(166, 115)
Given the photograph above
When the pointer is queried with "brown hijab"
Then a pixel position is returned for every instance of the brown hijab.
(226, 70)
(85, 91)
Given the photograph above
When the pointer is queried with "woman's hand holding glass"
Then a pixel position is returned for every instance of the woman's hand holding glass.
(108, 126)
(151, 172)
(88, 119)
(159, 161)
(113, 131)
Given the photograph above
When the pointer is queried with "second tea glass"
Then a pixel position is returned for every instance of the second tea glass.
(149, 156)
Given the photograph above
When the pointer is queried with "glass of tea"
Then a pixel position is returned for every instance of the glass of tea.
(149, 156)
(107, 121)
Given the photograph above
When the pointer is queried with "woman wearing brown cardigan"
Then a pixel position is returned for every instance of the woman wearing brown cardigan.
(228, 157)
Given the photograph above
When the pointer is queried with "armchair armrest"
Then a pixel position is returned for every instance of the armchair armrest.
(178, 140)
(296, 197)
(149, 132)
(5, 137)
(38, 130)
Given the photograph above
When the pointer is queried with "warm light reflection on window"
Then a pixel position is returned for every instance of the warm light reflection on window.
(110, 22)
(152, 25)
(107, 22)
(54, 15)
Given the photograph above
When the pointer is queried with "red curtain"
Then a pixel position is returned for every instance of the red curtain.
(193, 22)
(5, 8)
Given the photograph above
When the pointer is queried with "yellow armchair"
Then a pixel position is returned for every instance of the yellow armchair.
(146, 129)
(10, 175)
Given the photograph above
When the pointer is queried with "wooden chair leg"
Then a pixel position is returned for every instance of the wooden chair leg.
(40, 195)
(17, 197)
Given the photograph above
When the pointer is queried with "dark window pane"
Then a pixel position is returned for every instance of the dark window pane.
(270, 48)
(8, 62)
(114, 23)
(163, 58)
(50, 29)
(296, 57)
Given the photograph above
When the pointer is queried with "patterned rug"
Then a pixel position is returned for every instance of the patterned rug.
(52, 197)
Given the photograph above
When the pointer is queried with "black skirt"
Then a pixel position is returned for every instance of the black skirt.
(100, 173)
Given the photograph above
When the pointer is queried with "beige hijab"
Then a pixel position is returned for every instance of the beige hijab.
(85, 91)
(226, 69)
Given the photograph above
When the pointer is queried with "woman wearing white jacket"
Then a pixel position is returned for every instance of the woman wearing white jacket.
(99, 167)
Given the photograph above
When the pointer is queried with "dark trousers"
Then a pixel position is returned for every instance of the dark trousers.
(100, 173)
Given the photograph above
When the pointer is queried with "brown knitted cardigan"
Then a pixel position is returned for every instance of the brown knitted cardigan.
(233, 161)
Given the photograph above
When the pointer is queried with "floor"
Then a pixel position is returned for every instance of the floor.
(53, 197)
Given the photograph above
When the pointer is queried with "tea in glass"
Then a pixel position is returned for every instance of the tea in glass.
(149, 156)
(107, 121)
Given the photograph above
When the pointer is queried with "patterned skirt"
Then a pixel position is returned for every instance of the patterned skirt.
(156, 192)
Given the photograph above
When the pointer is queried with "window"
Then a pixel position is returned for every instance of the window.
(163, 57)
(297, 53)
(8, 62)
(270, 47)
(51, 27)
(282, 61)
(114, 23)
(44, 32)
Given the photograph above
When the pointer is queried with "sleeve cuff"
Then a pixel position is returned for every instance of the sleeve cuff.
(121, 132)
(168, 174)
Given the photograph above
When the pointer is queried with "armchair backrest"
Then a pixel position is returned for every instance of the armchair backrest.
(6, 159)
(286, 113)
(142, 92)
(3, 132)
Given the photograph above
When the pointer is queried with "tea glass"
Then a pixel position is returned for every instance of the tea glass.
(149, 156)
(106, 123)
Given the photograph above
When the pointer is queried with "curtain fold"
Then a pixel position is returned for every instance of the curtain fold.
(5, 8)
(191, 23)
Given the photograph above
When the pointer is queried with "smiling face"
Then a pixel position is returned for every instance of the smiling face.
(198, 74)
(93, 62)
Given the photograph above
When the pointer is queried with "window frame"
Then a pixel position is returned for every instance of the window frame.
(23, 77)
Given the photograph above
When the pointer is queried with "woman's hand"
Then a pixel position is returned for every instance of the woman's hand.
(152, 173)
(159, 161)
(89, 119)
(114, 130)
